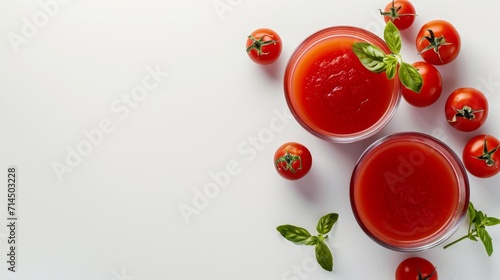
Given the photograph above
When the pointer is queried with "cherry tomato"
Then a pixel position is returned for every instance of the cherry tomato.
(292, 160)
(481, 156)
(431, 89)
(400, 12)
(416, 268)
(438, 42)
(264, 46)
(466, 109)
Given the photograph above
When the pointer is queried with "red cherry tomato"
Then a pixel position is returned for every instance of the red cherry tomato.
(292, 160)
(466, 109)
(431, 89)
(400, 12)
(438, 42)
(416, 268)
(264, 46)
(481, 156)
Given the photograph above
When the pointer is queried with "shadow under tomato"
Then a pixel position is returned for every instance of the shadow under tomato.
(309, 186)
(275, 70)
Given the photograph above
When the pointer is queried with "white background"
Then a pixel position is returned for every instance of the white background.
(116, 214)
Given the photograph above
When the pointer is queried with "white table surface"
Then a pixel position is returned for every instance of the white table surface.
(73, 70)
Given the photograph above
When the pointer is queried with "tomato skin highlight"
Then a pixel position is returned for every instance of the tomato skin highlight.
(475, 156)
(264, 46)
(416, 268)
(405, 16)
(446, 37)
(431, 89)
(466, 109)
(292, 160)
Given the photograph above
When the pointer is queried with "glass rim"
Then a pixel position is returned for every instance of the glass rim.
(303, 47)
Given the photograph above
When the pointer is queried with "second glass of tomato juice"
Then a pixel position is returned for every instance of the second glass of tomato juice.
(331, 94)
(409, 191)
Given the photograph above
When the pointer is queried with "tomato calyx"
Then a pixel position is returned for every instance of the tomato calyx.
(258, 44)
(434, 43)
(466, 112)
(393, 12)
(487, 156)
(420, 277)
(286, 161)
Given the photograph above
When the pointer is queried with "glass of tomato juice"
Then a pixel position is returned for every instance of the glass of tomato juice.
(331, 94)
(409, 191)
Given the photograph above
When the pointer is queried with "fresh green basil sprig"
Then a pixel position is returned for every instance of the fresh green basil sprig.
(375, 60)
(478, 221)
(301, 236)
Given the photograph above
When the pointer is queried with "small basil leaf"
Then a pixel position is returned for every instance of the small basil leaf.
(294, 234)
(410, 77)
(372, 57)
(392, 37)
(472, 212)
(324, 256)
(486, 239)
(480, 219)
(391, 66)
(492, 221)
(326, 223)
(311, 241)
(390, 71)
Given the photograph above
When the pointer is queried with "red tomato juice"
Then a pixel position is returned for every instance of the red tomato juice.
(334, 92)
(406, 191)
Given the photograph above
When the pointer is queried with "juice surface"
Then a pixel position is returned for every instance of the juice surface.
(406, 192)
(335, 93)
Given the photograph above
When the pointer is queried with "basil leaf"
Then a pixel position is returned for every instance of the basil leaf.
(480, 219)
(391, 63)
(492, 221)
(390, 71)
(392, 37)
(372, 57)
(324, 255)
(477, 228)
(294, 234)
(486, 239)
(326, 223)
(410, 77)
(472, 212)
(311, 241)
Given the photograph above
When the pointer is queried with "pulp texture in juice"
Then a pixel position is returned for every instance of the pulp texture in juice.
(335, 93)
